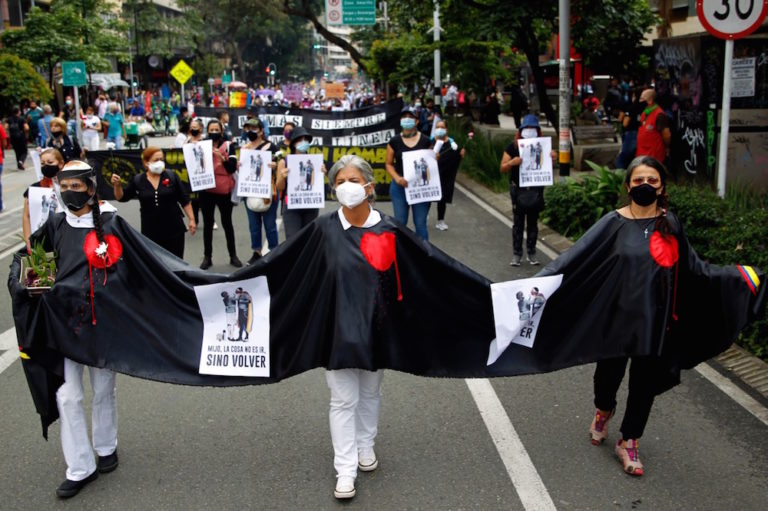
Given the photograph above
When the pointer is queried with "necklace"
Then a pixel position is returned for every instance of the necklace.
(647, 223)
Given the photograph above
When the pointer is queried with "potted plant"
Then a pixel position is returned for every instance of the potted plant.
(38, 270)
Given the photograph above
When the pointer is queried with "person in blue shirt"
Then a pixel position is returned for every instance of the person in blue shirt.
(116, 130)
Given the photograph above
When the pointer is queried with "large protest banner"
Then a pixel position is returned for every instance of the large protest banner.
(364, 132)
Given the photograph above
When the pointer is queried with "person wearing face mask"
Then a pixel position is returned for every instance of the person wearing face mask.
(294, 219)
(224, 166)
(448, 165)
(285, 144)
(115, 125)
(51, 162)
(68, 147)
(527, 202)
(91, 130)
(653, 135)
(162, 198)
(355, 393)
(254, 132)
(409, 139)
(194, 135)
(65, 235)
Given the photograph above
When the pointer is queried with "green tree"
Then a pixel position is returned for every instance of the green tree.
(20, 81)
(86, 30)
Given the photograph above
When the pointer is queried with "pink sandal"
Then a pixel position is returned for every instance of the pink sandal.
(598, 430)
(626, 450)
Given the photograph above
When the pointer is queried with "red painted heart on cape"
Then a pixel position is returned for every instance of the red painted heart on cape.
(664, 249)
(110, 257)
(378, 249)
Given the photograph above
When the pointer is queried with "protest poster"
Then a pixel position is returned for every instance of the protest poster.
(305, 185)
(517, 309)
(335, 91)
(36, 163)
(42, 204)
(292, 92)
(420, 170)
(255, 174)
(235, 327)
(536, 168)
(198, 157)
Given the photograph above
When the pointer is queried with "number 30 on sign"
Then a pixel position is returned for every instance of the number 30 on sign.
(731, 19)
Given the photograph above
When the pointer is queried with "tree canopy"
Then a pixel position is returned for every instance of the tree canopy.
(20, 81)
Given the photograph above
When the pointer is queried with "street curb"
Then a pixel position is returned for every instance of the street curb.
(735, 361)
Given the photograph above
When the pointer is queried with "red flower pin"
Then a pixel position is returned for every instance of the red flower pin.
(379, 251)
(101, 254)
(166, 181)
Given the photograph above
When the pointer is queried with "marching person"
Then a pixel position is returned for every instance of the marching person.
(91, 130)
(409, 139)
(294, 219)
(254, 132)
(65, 234)
(51, 162)
(448, 165)
(224, 165)
(60, 141)
(162, 198)
(355, 393)
(528, 201)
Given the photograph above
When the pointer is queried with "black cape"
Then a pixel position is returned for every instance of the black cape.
(424, 313)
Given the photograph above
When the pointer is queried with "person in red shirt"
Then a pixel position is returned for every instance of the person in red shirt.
(654, 135)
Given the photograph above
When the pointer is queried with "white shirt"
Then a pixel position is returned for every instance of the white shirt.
(374, 217)
(85, 221)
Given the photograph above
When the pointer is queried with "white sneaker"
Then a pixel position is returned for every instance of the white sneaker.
(345, 487)
(441, 225)
(516, 260)
(215, 226)
(367, 460)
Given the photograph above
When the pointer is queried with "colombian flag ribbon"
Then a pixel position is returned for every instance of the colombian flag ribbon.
(750, 276)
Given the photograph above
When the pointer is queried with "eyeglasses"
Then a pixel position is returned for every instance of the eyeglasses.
(653, 181)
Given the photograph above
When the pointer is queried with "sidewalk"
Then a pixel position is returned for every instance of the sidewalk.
(746, 368)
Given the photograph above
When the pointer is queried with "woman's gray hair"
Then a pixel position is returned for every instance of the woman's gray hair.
(351, 159)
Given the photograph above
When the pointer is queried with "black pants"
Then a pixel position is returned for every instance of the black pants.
(441, 206)
(173, 244)
(608, 376)
(520, 219)
(208, 202)
(295, 219)
(20, 148)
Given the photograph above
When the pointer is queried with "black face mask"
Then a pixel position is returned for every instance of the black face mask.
(643, 195)
(49, 170)
(214, 136)
(56, 133)
(194, 133)
(75, 201)
(252, 136)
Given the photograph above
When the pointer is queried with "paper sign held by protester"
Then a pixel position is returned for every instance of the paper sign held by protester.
(517, 309)
(198, 157)
(536, 169)
(235, 327)
(36, 163)
(42, 204)
(420, 170)
(305, 185)
(255, 174)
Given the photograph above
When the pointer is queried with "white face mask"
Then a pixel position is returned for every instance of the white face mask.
(350, 194)
(157, 167)
(529, 133)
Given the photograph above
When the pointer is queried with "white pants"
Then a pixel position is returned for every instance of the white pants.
(75, 443)
(354, 415)
(91, 140)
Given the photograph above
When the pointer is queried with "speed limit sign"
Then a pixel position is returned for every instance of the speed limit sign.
(731, 19)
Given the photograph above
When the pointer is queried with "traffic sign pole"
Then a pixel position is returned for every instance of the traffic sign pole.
(725, 118)
(78, 122)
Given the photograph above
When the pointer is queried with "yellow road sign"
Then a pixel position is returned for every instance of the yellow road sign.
(182, 72)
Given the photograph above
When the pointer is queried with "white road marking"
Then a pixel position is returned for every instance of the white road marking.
(529, 486)
(8, 342)
(11, 250)
(731, 390)
(500, 217)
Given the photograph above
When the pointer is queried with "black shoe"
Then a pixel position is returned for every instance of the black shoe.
(107, 463)
(255, 257)
(207, 263)
(234, 261)
(70, 488)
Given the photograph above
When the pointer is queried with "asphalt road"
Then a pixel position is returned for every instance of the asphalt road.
(515, 443)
